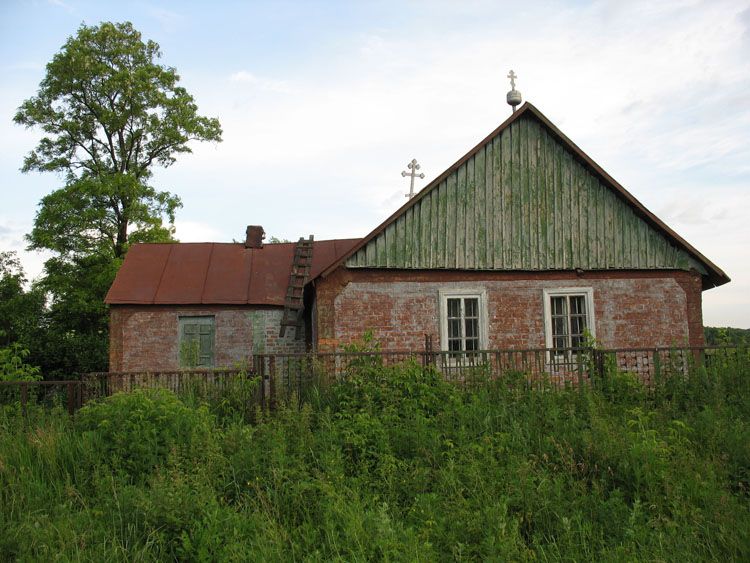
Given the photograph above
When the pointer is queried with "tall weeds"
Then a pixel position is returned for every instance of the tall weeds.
(392, 464)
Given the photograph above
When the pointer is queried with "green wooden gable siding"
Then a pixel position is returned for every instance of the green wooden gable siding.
(522, 202)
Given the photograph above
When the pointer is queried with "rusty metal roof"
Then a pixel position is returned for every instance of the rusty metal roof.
(214, 273)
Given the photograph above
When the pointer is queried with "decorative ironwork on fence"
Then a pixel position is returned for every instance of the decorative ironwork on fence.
(284, 377)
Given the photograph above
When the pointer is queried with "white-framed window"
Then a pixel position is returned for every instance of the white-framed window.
(463, 320)
(196, 341)
(568, 317)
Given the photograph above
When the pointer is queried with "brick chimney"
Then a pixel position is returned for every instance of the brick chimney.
(254, 236)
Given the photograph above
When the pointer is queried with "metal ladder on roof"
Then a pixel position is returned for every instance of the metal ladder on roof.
(294, 301)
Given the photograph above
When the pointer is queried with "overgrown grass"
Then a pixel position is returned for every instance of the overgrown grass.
(395, 464)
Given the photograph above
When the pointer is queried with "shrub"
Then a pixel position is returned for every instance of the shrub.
(136, 432)
(13, 366)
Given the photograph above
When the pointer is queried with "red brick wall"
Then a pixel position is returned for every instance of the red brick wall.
(631, 308)
(146, 337)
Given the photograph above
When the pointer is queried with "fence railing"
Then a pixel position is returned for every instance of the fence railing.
(282, 377)
(68, 393)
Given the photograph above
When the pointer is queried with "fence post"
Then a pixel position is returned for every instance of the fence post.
(427, 354)
(24, 396)
(71, 398)
(258, 369)
(580, 359)
(272, 384)
(599, 361)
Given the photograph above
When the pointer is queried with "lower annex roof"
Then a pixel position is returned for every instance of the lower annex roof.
(210, 273)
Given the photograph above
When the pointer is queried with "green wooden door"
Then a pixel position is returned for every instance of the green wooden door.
(197, 341)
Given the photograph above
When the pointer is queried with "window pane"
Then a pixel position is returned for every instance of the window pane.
(472, 328)
(577, 325)
(454, 345)
(577, 305)
(454, 328)
(471, 307)
(559, 326)
(472, 344)
(559, 342)
(454, 308)
(559, 306)
(577, 341)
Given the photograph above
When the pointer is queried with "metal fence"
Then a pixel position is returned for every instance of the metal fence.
(285, 377)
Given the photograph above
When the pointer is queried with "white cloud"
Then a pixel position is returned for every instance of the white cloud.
(12, 234)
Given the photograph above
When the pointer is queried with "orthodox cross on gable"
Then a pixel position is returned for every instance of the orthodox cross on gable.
(512, 77)
(413, 167)
(514, 96)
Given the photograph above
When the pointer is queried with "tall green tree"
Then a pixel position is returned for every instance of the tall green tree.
(110, 114)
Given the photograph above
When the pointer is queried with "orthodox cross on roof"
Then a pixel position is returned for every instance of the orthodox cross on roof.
(514, 96)
(512, 77)
(413, 166)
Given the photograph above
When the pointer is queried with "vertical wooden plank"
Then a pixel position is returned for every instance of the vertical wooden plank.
(470, 257)
(556, 204)
(434, 219)
(400, 242)
(583, 229)
(480, 212)
(596, 191)
(532, 225)
(625, 236)
(517, 194)
(566, 223)
(633, 230)
(460, 225)
(541, 201)
(549, 203)
(497, 199)
(575, 213)
(391, 241)
(643, 242)
(370, 254)
(380, 250)
(408, 237)
(451, 221)
(489, 206)
(609, 230)
(424, 226)
(615, 234)
(585, 219)
(506, 201)
(525, 237)
(603, 234)
(593, 236)
(538, 201)
(443, 225)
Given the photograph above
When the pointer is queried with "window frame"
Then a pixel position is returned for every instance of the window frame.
(183, 320)
(547, 294)
(463, 293)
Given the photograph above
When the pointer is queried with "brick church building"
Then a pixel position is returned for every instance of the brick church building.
(524, 242)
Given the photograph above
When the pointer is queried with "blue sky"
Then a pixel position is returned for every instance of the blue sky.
(324, 103)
